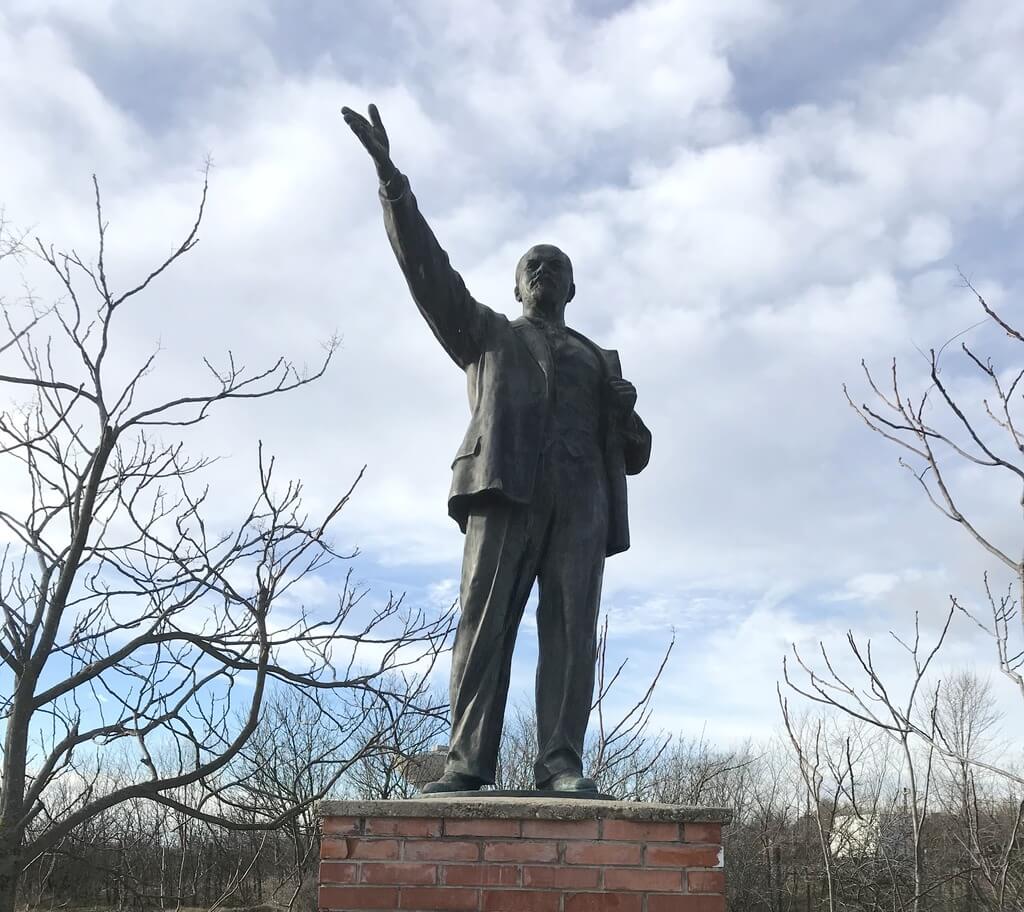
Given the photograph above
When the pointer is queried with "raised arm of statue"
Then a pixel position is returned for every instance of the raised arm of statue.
(456, 318)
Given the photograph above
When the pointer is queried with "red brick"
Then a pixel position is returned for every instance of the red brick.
(706, 881)
(484, 875)
(644, 879)
(338, 872)
(639, 831)
(603, 902)
(678, 902)
(441, 850)
(371, 849)
(341, 826)
(358, 898)
(702, 832)
(602, 853)
(560, 829)
(399, 874)
(521, 851)
(402, 826)
(490, 828)
(438, 898)
(519, 901)
(336, 848)
(681, 856)
(561, 877)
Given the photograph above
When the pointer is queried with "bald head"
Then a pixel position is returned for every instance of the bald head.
(544, 281)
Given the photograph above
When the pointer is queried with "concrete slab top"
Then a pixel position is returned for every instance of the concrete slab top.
(524, 807)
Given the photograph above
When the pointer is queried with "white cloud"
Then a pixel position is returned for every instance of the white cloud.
(867, 586)
(928, 238)
(743, 262)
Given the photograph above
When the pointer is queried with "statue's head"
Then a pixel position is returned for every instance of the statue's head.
(544, 281)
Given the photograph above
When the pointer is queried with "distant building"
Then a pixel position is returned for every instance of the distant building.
(420, 769)
(853, 836)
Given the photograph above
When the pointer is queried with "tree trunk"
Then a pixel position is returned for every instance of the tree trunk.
(10, 870)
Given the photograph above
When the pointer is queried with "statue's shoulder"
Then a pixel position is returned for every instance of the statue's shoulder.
(495, 322)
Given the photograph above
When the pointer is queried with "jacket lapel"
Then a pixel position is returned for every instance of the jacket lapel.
(536, 343)
(608, 357)
(538, 347)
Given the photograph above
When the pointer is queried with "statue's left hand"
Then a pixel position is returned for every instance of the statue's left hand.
(623, 396)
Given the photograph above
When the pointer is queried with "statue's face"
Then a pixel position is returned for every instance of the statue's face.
(544, 279)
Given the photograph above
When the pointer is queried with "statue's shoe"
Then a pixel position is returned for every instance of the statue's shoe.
(568, 781)
(452, 782)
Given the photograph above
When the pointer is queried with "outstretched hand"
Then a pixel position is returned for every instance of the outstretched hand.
(374, 137)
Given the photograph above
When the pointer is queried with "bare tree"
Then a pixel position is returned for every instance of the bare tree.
(623, 754)
(901, 719)
(135, 618)
(937, 431)
(411, 738)
(303, 748)
(937, 424)
(822, 791)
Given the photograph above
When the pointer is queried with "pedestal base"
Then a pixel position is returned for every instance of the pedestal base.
(487, 794)
(500, 853)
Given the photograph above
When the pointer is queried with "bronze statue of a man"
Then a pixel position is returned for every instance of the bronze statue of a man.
(538, 487)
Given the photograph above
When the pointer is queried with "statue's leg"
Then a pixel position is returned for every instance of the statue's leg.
(570, 594)
(498, 569)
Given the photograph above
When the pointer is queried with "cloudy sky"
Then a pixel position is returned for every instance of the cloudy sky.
(756, 194)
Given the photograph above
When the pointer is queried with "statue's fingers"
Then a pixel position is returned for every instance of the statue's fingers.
(354, 119)
(361, 131)
(375, 117)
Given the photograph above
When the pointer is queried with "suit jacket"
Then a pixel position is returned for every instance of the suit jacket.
(507, 365)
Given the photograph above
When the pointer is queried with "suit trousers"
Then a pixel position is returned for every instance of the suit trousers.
(558, 539)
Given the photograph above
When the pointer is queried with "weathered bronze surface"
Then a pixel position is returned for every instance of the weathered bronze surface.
(538, 487)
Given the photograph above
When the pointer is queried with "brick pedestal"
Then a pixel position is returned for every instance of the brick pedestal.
(521, 855)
